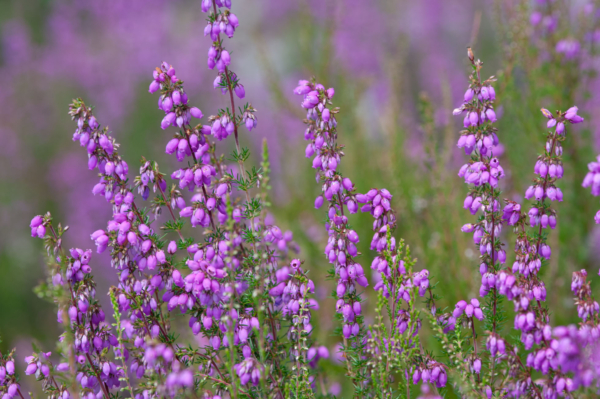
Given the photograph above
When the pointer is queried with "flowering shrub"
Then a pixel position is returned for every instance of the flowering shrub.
(248, 296)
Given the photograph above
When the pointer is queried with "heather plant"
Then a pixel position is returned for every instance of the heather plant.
(212, 299)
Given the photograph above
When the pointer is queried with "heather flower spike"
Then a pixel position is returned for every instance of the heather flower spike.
(482, 173)
(394, 279)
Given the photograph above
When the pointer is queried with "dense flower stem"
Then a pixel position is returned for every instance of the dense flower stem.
(230, 89)
(493, 249)
(491, 205)
(544, 186)
(483, 172)
(235, 122)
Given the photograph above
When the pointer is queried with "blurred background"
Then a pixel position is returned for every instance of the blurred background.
(399, 67)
